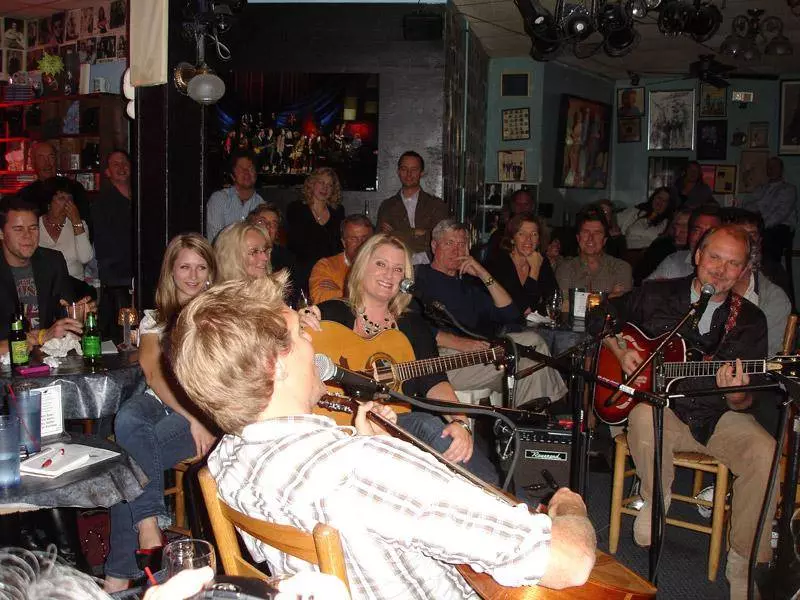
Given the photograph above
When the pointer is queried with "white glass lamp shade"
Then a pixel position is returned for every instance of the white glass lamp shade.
(206, 88)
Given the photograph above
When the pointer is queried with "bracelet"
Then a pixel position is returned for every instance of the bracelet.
(464, 424)
(489, 282)
(40, 337)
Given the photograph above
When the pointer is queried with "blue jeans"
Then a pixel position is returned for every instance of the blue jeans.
(157, 438)
(428, 428)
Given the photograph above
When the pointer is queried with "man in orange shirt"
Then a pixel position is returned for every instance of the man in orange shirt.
(327, 280)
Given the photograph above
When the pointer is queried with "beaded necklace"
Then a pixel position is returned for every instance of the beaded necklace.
(372, 328)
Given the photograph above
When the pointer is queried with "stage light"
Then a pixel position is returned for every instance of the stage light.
(638, 9)
(703, 22)
(673, 18)
(576, 22)
(546, 38)
(621, 42)
(652, 4)
(616, 25)
(780, 44)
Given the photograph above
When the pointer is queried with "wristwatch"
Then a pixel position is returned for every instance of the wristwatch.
(489, 282)
(464, 424)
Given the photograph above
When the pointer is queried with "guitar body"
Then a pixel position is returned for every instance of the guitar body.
(609, 580)
(608, 366)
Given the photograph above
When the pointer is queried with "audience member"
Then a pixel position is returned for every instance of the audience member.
(616, 244)
(643, 223)
(314, 224)
(412, 213)
(481, 305)
(268, 216)
(521, 269)
(676, 238)
(327, 281)
(242, 252)
(593, 270)
(521, 201)
(279, 461)
(776, 201)
(234, 203)
(690, 190)
(157, 428)
(112, 215)
(61, 228)
(679, 264)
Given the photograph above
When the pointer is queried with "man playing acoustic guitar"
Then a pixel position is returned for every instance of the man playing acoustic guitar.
(404, 518)
(730, 329)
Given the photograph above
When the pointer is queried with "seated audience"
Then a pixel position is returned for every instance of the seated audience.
(679, 264)
(157, 428)
(520, 268)
(268, 217)
(374, 304)
(776, 201)
(643, 223)
(676, 238)
(517, 203)
(327, 281)
(481, 305)
(242, 252)
(690, 190)
(593, 270)
(234, 203)
(61, 228)
(616, 244)
(405, 519)
(314, 223)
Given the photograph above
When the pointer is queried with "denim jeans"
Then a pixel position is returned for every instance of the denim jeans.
(428, 428)
(157, 438)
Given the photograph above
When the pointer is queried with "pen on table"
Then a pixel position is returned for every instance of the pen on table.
(49, 461)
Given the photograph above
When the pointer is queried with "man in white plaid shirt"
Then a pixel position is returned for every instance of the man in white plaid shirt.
(405, 520)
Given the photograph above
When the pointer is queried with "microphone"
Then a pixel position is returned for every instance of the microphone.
(330, 372)
(408, 286)
(599, 316)
(706, 292)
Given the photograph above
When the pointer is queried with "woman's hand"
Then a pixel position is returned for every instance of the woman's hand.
(460, 449)
(535, 260)
(73, 214)
(310, 318)
(203, 438)
(366, 427)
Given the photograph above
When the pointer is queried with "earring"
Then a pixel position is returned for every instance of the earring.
(208, 283)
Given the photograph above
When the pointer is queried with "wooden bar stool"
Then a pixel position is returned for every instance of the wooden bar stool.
(181, 524)
(699, 463)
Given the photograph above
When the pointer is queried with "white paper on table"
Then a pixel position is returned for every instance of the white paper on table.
(534, 318)
(52, 413)
(109, 347)
(75, 456)
(579, 307)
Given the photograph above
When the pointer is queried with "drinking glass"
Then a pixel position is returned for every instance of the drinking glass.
(27, 405)
(9, 452)
(554, 308)
(188, 554)
(302, 301)
(76, 311)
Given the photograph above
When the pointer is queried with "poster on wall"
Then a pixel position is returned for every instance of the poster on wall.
(516, 124)
(671, 120)
(630, 102)
(712, 101)
(789, 128)
(582, 150)
(13, 33)
(629, 129)
(752, 170)
(712, 139)
(758, 135)
(511, 165)
(725, 179)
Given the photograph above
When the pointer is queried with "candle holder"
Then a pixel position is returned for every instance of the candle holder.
(127, 318)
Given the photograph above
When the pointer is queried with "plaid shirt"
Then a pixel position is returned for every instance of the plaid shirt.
(404, 518)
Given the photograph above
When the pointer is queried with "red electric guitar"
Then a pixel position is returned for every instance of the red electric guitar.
(613, 406)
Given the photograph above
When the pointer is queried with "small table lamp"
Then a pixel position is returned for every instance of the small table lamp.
(127, 317)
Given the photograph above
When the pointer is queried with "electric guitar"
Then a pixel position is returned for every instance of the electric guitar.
(613, 406)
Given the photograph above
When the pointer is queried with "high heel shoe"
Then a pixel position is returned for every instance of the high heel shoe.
(150, 557)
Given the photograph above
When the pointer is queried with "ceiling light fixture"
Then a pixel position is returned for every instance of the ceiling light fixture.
(748, 31)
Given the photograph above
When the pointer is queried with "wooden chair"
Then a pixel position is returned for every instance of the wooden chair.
(696, 461)
(323, 547)
(181, 524)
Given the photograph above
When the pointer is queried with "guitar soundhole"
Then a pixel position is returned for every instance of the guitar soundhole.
(381, 364)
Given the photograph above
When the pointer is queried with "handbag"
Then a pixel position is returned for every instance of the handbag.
(94, 530)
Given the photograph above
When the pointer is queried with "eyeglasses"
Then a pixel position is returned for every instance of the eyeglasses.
(262, 250)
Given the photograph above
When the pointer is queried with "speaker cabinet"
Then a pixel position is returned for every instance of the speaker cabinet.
(540, 450)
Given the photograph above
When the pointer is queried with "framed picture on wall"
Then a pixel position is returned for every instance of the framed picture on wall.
(630, 102)
(663, 171)
(516, 124)
(583, 140)
(752, 170)
(758, 135)
(511, 165)
(725, 179)
(712, 101)
(629, 129)
(493, 194)
(712, 139)
(709, 174)
(515, 84)
(789, 128)
(670, 120)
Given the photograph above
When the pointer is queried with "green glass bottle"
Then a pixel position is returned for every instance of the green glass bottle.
(91, 341)
(18, 343)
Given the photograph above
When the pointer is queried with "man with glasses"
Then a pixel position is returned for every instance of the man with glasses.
(679, 264)
(328, 276)
(481, 305)
(412, 213)
(234, 203)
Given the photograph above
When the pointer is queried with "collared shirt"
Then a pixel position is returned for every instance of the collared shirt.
(575, 273)
(404, 518)
(677, 264)
(410, 203)
(777, 203)
(225, 207)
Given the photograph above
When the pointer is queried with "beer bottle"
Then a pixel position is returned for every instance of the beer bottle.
(90, 343)
(18, 343)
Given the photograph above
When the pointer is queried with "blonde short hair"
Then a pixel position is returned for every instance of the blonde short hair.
(230, 247)
(167, 303)
(336, 194)
(224, 347)
(355, 287)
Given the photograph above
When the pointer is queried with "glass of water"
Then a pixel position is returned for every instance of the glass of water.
(553, 307)
(188, 554)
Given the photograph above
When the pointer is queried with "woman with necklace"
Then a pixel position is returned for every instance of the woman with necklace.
(62, 229)
(313, 222)
(375, 304)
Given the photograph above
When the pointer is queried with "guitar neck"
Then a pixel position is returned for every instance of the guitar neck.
(709, 368)
(428, 366)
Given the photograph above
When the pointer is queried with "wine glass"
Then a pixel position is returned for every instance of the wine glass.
(188, 554)
(553, 307)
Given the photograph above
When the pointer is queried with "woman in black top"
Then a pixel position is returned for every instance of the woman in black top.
(521, 269)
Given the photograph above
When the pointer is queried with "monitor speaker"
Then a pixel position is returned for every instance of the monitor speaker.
(422, 27)
(545, 449)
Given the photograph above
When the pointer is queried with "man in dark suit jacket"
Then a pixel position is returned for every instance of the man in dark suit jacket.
(411, 214)
(33, 280)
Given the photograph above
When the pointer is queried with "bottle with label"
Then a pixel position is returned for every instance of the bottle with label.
(90, 343)
(18, 343)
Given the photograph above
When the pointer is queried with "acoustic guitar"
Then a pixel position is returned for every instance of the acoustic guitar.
(662, 373)
(609, 580)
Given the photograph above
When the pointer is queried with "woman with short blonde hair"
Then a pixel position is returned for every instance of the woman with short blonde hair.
(243, 251)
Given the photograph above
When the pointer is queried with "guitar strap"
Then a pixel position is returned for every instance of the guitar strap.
(730, 323)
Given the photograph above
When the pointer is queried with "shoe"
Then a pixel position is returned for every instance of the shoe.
(736, 573)
(642, 523)
(150, 557)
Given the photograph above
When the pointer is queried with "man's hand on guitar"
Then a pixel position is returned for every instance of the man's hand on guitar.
(460, 449)
(727, 376)
(367, 427)
(629, 360)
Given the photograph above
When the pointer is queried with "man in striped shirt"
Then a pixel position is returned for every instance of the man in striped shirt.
(405, 520)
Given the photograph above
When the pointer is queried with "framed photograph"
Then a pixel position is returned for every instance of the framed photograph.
(713, 101)
(511, 165)
(32, 30)
(582, 150)
(712, 139)
(789, 129)
(630, 102)
(663, 171)
(670, 120)
(725, 179)
(14, 33)
(758, 135)
(709, 174)
(629, 129)
(516, 124)
(752, 170)
(493, 194)
(515, 84)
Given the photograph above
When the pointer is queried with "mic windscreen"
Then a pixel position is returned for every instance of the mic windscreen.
(708, 289)
(325, 367)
